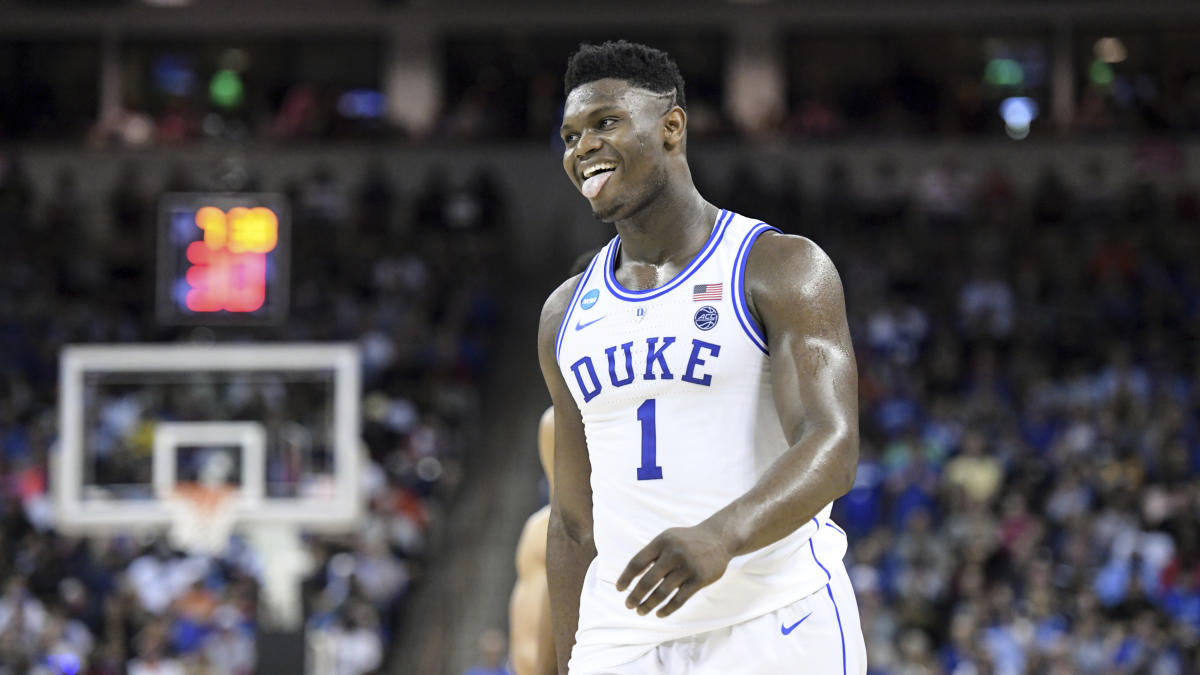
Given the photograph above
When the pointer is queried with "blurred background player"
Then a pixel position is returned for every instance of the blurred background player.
(530, 635)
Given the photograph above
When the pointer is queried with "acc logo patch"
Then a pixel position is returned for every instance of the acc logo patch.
(706, 317)
(590, 298)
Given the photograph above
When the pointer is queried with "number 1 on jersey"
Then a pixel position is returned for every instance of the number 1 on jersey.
(648, 470)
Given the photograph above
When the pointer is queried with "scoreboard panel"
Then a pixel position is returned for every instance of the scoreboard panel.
(222, 258)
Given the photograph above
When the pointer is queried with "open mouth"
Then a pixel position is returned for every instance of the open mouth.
(594, 178)
(598, 167)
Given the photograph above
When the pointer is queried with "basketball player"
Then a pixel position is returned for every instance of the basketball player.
(530, 638)
(704, 390)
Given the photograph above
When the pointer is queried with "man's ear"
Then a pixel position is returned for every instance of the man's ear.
(674, 128)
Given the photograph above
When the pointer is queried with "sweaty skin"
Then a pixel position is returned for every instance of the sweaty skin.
(531, 639)
(795, 293)
(569, 545)
(792, 290)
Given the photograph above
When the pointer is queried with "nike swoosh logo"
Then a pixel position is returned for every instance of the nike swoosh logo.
(788, 629)
(581, 326)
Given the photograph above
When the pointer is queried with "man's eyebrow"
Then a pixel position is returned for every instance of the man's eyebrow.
(606, 108)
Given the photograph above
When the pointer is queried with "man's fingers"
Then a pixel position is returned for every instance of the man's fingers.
(687, 590)
(649, 580)
(664, 590)
(638, 563)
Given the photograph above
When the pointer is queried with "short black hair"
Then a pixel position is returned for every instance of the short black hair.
(640, 65)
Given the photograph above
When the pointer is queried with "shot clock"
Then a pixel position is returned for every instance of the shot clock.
(222, 258)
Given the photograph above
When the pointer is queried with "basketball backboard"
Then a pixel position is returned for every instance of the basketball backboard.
(137, 419)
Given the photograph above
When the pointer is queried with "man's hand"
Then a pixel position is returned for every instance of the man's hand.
(684, 559)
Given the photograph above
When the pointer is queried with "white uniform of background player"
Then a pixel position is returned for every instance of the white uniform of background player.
(673, 387)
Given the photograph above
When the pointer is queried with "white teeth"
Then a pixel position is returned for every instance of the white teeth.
(597, 168)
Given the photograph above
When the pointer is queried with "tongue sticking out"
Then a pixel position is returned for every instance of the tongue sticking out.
(591, 187)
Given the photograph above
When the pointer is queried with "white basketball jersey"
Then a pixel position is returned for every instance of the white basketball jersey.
(674, 388)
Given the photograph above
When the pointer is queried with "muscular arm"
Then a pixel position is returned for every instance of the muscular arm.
(796, 294)
(569, 545)
(531, 640)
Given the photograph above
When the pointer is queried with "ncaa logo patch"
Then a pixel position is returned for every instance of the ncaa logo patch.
(590, 298)
(706, 317)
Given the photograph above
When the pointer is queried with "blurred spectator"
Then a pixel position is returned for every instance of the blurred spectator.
(350, 646)
(123, 126)
(944, 193)
(986, 306)
(152, 658)
(230, 647)
(974, 471)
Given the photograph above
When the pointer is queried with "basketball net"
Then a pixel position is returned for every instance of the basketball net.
(202, 517)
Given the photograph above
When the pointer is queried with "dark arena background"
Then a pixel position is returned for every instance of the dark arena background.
(1008, 189)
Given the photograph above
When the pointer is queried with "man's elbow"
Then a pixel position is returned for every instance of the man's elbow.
(575, 530)
(845, 470)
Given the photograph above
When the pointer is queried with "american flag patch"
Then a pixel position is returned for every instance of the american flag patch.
(706, 292)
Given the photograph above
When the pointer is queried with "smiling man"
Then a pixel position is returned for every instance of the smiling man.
(705, 397)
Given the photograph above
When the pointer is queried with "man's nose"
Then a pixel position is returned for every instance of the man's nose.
(588, 143)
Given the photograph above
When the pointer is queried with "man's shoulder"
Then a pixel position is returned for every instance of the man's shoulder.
(531, 546)
(555, 307)
(778, 247)
(789, 267)
(776, 256)
(560, 297)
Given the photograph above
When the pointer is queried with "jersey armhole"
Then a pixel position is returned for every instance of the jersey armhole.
(562, 328)
(738, 285)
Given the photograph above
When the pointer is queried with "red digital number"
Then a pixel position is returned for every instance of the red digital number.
(229, 266)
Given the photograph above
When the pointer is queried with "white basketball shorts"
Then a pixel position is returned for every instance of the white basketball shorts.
(819, 634)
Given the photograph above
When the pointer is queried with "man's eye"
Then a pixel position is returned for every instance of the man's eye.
(570, 138)
(606, 122)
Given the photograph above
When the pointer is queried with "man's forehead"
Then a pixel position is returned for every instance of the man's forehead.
(609, 92)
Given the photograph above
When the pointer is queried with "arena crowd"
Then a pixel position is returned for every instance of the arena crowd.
(1029, 486)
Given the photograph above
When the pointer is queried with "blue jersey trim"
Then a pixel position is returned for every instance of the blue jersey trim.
(841, 631)
(562, 329)
(829, 589)
(622, 293)
(737, 286)
(835, 528)
(828, 576)
(814, 551)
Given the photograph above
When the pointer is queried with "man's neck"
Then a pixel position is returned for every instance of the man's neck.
(672, 228)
